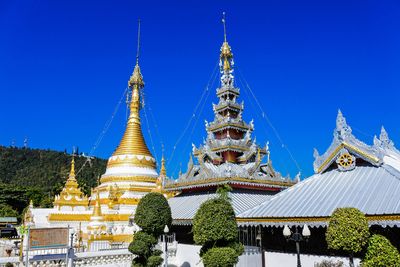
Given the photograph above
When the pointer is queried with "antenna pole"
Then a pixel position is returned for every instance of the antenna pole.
(223, 22)
(138, 43)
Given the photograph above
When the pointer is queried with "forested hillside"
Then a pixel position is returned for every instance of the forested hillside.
(39, 175)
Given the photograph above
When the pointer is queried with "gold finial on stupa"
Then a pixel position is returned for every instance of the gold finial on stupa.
(136, 77)
(72, 170)
(226, 53)
(163, 170)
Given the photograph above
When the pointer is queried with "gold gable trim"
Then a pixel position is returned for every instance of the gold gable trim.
(346, 145)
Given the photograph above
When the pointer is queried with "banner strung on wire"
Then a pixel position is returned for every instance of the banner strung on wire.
(48, 238)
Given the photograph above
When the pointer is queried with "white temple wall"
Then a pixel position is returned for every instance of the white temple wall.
(188, 256)
(276, 259)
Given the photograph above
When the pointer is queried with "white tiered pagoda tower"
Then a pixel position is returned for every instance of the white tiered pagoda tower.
(229, 155)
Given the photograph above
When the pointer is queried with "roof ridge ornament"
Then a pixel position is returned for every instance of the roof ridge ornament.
(343, 138)
(343, 130)
(384, 138)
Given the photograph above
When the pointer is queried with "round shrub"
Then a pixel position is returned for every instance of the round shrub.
(214, 221)
(347, 230)
(153, 213)
(142, 244)
(381, 253)
(220, 257)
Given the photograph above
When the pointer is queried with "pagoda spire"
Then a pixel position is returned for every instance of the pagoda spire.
(226, 53)
(72, 170)
(97, 207)
(163, 170)
(133, 142)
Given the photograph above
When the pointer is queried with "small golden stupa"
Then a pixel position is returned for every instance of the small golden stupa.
(71, 196)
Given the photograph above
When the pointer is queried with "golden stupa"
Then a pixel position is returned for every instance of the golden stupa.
(130, 174)
(71, 196)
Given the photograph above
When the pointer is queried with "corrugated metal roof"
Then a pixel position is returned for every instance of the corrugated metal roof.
(373, 190)
(185, 207)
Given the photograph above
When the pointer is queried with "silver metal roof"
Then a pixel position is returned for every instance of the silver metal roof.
(185, 207)
(373, 190)
(368, 179)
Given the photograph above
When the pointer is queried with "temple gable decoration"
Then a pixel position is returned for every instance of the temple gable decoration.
(346, 151)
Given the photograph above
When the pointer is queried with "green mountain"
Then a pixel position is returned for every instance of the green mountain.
(39, 175)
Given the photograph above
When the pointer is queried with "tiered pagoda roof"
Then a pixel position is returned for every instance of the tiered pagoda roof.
(229, 154)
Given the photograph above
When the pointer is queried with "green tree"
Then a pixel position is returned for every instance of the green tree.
(348, 231)
(215, 228)
(152, 214)
(381, 253)
(7, 211)
(39, 175)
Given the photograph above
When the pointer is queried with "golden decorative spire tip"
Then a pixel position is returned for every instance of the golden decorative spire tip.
(226, 53)
(163, 170)
(97, 208)
(72, 171)
(136, 77)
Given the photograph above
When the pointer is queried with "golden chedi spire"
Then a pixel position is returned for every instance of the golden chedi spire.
(226, 53)
(97, 207)
(161, 177)
(71, 195)
(132, 148)
(97, 225)
(163, 170)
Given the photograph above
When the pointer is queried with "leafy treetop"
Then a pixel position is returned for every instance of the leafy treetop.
(381, 253)
(153, 213)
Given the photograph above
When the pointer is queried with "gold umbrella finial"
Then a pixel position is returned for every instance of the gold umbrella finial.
(226, 53)
(136, 77)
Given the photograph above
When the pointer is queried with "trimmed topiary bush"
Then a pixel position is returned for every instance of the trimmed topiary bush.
(215, 228)
(381, 253)
(142, 244)
(348, 231)
(152, 214)
(214, 221)
(220, 257)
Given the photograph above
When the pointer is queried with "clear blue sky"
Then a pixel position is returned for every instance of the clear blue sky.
(65, 64)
